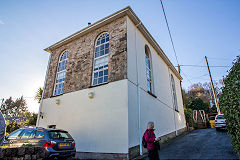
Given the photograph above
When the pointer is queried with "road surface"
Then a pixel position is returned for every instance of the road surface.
(200, 144)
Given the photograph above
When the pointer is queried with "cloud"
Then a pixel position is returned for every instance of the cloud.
(1, 22)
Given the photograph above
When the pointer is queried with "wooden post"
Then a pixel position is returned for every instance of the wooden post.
(214, 94)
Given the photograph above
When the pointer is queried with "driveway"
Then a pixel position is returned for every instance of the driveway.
(200, 144)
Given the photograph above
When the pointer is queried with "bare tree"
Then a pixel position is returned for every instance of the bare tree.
(11, 108)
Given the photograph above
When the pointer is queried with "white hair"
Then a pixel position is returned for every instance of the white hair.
(150, 125)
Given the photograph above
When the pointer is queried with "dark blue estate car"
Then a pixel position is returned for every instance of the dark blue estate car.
(57, 143)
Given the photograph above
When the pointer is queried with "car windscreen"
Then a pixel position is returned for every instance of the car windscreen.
(220, 117)
(55, 134)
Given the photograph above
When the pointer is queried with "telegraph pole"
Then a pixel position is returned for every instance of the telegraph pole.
(214, 94)
(179, 69)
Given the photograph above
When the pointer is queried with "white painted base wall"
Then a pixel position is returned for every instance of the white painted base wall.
(97, 125)
(108, 123)
(160, 110)
(152, 109)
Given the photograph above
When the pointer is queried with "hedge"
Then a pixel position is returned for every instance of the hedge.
(230, 103)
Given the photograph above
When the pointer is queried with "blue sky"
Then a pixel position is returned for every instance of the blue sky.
(199, 28)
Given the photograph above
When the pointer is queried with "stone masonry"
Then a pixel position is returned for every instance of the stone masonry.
(23, 153)
(80, 61)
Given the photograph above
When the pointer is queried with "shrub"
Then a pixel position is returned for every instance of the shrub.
(230, 103)
(188, 115)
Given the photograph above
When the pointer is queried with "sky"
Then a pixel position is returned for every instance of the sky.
(199, 28)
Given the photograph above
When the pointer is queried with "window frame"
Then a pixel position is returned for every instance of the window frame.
(63, 71)
(174, 93)
(149, 68)
(101, 57)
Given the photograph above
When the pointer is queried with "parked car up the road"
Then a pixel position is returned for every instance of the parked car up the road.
(220, 122)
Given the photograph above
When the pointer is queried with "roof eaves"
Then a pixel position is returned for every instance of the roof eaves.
(88, 29)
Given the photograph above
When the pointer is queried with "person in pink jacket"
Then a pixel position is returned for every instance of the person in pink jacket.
(150, 139)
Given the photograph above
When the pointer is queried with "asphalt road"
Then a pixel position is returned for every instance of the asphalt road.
(200, 144)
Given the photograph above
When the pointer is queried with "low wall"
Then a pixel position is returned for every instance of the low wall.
(22, 153)
(103, 156)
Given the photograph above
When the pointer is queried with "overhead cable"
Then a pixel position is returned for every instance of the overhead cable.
(169, 32)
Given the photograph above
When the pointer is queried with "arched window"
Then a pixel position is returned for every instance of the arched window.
(100, 64)
(149, 69)
(61, 72)
(174, 93)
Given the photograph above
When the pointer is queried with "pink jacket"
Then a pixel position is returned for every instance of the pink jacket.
(150, 139)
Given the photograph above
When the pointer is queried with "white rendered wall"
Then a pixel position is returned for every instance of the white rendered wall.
(97, 125)
(159, 110)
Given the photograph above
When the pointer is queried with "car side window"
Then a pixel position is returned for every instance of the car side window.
(14, 135)
(39, 134)
(27, 133)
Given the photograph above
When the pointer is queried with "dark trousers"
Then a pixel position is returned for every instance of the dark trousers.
(153, 155)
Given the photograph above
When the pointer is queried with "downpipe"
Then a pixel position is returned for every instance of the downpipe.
(138, 93)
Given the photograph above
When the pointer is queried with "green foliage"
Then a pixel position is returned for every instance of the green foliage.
(11, 108)
(12, 126)
(213, 109)
(188, 115)
(230, 103)
(38, 95)
(31, 119)
(17, 109)
(198, 104)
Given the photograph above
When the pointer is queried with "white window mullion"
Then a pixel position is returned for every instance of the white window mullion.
(174, 93)
(60, 75)
(148, 70)
(100, 64)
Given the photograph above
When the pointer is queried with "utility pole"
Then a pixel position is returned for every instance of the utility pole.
(179, 69)
(214, 94)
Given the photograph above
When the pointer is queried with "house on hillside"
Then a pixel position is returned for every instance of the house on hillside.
(106, 82)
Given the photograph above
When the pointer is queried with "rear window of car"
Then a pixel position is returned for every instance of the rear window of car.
(59, 135)
(220, 117)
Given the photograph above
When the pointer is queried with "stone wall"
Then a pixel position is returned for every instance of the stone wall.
(80, 61)
(22, 153)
